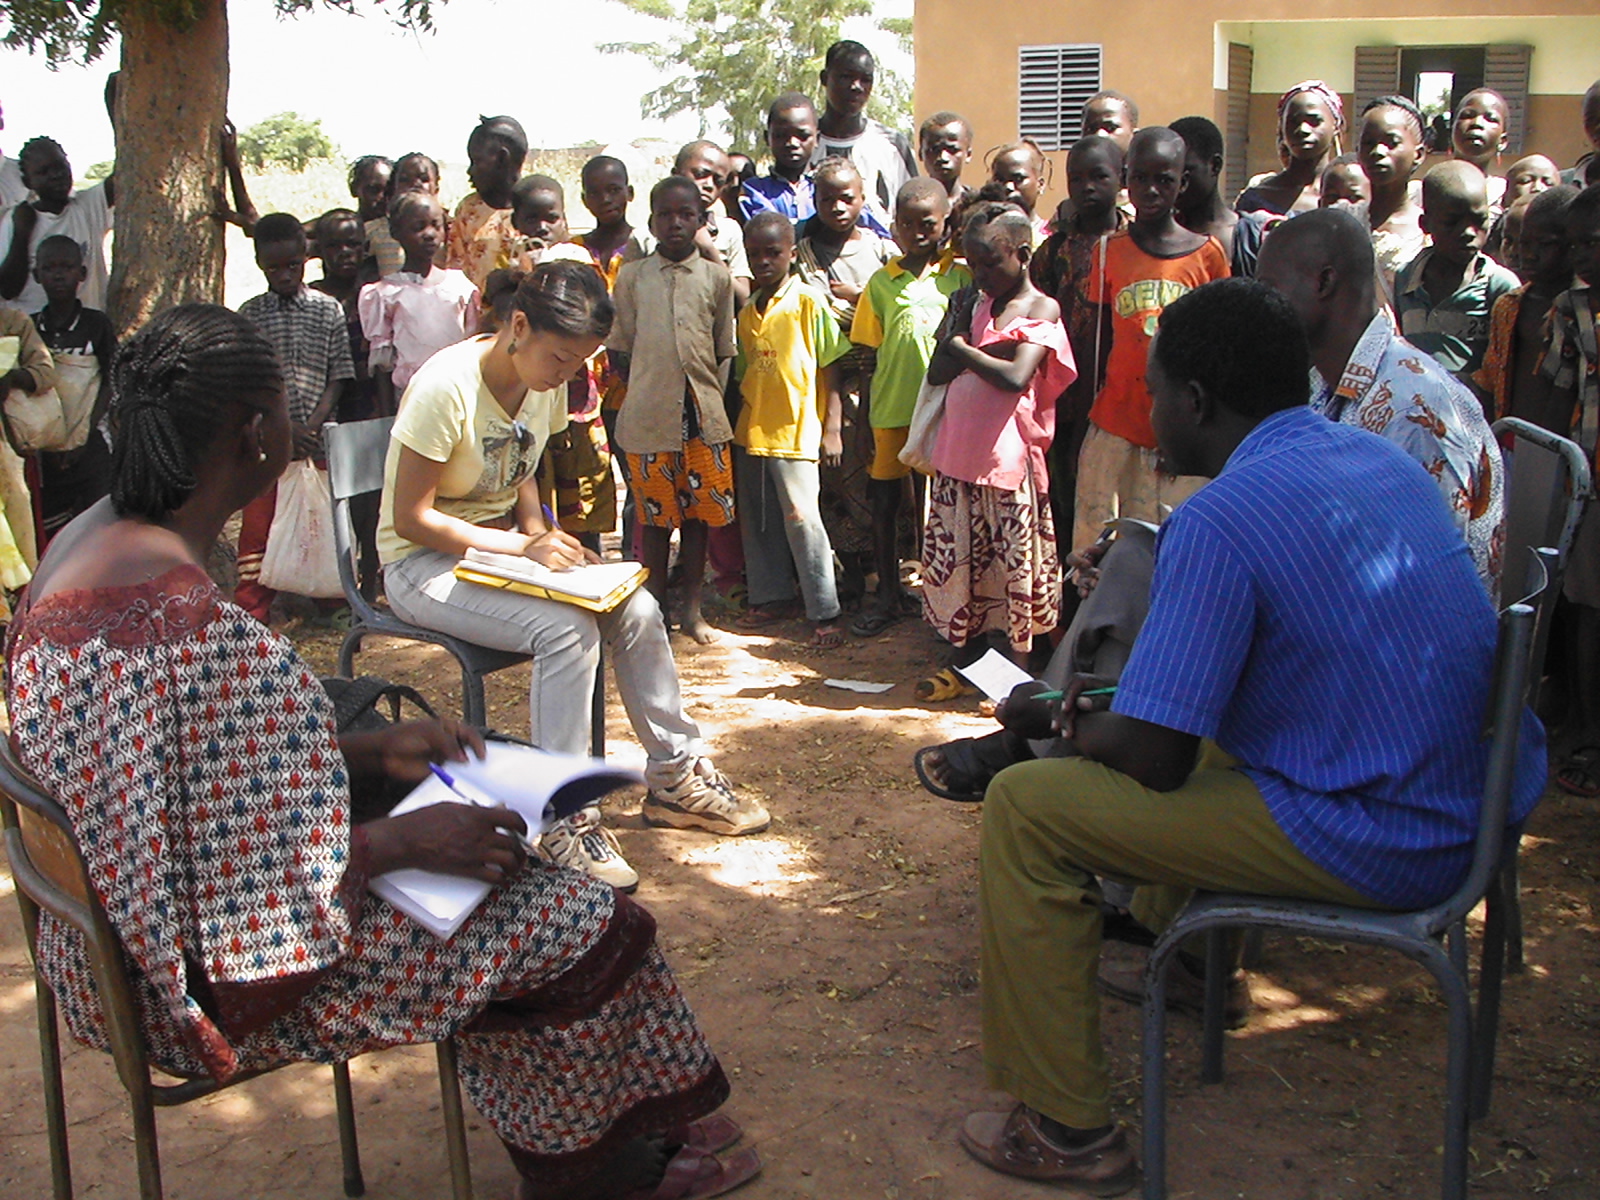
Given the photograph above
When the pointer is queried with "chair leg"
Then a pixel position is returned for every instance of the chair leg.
(347, 653)
(1155, 1069)
(1458, 1072)
(597, 710)
(349, 1149)
(1456, 940)
(1486, 1024)
(1218, 968)
(455, 1126)
(55, 1103)
(474, 709)
(146, 1149)
(1512, 898)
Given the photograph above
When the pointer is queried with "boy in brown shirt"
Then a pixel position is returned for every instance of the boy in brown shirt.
(672, 338)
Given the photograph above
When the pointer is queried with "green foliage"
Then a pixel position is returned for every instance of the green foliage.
(78, 31)
(100, 170)
(286, 139)
(736, 55)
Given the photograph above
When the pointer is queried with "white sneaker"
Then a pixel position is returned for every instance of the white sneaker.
(704, 799)
(581, 843)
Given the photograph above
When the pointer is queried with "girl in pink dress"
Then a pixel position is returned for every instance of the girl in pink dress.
(989, 554)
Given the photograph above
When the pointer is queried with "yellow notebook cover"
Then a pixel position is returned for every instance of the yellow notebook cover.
(599, 587)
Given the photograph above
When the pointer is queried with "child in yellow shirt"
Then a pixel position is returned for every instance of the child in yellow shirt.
(788, 343)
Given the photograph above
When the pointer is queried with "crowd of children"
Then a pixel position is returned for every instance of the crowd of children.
(777, 336)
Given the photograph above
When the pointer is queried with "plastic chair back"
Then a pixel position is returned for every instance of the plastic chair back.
(356, 451)
(1549, 487)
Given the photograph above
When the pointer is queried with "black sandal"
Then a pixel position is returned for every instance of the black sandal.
(872, 622)
(969, 764)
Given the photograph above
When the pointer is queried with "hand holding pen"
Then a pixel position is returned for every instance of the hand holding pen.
(479, 800)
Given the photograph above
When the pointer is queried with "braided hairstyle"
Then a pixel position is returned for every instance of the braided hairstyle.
(173, 388)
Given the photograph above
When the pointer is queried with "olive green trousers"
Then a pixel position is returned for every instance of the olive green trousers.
(1050, 829)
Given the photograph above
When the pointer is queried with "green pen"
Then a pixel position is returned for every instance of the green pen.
(1105, 691)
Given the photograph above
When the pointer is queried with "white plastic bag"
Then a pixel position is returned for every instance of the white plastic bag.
(57, 418)
(926, 418)
(300, 556)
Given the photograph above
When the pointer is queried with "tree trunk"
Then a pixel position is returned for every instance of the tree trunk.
(172, 99)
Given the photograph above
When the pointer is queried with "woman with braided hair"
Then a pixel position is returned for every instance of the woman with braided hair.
(196, 754)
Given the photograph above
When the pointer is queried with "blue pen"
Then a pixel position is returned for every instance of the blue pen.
(449, 781)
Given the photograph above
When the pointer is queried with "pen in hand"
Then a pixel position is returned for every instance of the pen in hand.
(1057, 695)
(449, 781)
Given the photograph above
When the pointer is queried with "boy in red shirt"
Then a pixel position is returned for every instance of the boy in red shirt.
(1142, 269)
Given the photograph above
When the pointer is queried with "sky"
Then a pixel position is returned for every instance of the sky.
(445, 80)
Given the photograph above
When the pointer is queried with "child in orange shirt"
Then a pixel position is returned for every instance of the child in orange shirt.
(1137, 272)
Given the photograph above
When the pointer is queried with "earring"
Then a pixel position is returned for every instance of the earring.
(261, 450)
(511, 347)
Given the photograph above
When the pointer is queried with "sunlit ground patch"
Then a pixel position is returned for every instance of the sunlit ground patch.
(765, 866)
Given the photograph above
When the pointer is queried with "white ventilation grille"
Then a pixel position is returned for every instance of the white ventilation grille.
(1053, 85)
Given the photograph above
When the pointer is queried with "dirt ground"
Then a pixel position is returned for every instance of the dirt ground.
(833, 962)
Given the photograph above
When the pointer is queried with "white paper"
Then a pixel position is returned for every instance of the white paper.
(994, 675)
(858, 685)
(522, 778)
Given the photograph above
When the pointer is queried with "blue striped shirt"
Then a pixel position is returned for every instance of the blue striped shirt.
(1315, 611)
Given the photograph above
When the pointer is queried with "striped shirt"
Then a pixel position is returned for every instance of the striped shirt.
(1454, 328)
(313, 344)
(1315, 612)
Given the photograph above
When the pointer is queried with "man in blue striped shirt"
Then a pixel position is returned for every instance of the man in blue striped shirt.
(1299, 717)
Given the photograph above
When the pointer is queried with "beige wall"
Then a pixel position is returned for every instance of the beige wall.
(1164, 54)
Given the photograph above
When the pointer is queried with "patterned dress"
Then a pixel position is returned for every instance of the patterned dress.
(195, 754)
(989, 560)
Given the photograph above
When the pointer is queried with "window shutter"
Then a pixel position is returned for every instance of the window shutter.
(1053, 85)
(1236, 158)
(1505, 69)
(1377, 74)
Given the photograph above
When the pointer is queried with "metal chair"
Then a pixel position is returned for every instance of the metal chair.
(356, 452)
(51, 876)
(1550, 487)
(1419, 935)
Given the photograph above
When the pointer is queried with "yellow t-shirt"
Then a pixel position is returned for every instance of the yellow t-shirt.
(781, 355)
(449, 416)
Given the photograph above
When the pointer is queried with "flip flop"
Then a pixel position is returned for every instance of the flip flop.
(708, 1135)
(943, 685)
(827, 637)
(694, 1176)
(873, 622)
(1580, 774)
(763, 616)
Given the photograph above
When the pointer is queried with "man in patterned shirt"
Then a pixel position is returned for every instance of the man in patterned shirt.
(307, 330)
(1364, 374)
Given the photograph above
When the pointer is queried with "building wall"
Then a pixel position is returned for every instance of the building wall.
(1166, 53)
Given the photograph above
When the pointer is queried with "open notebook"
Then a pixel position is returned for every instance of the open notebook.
(541, 787)
(599, 587)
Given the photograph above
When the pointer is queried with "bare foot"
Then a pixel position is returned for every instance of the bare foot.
(694, 625)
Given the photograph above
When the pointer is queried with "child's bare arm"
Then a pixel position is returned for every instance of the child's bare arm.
(383, 381)
(833, 417)
(14, 267)
(243, 212)
(1012, 375)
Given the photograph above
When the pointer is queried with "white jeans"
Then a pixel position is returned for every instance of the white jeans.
(565, 643)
